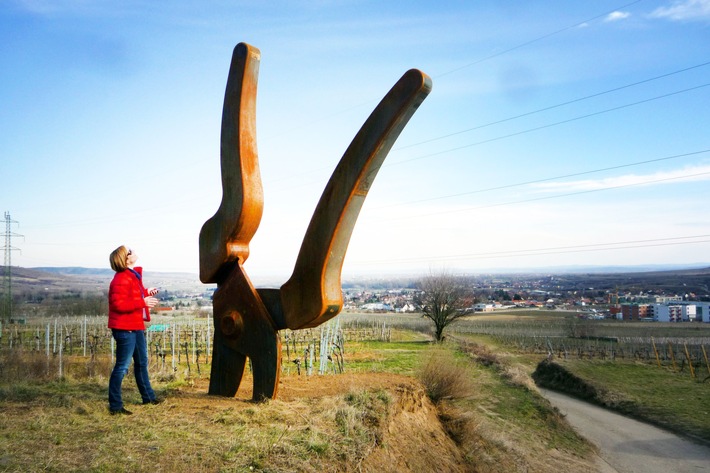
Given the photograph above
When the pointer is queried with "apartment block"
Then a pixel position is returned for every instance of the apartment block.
(673, 312)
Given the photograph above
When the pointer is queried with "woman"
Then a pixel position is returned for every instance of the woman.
(129, 304)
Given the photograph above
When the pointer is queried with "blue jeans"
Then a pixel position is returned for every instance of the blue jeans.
(129, 344)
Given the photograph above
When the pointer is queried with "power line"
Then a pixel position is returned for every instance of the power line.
(483, 59)
(478, 191)
(548, 197)
(390, 163)
(535, 40)
(551, 107)
(519, 46)
(549, 125)
(104, 219)
(609, 246)
(547, 179)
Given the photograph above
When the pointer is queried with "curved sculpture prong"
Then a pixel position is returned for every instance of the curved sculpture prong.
(313, 293)
(243, 327)
(224, 238)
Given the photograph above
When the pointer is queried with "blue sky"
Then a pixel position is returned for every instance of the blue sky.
(557, 133)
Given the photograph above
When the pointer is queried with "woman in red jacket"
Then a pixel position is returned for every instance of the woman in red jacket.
(129, 304)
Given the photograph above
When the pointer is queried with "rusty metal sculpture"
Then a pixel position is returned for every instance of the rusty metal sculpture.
(247, 320)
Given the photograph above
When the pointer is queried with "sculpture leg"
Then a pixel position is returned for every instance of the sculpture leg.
(267, 368)
(227, 368)
(243, 328)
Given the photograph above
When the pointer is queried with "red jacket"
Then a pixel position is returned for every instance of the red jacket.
(126, 307)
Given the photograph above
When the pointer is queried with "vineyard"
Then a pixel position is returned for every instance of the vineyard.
(181, 348)
(680, 346)
(60, 366)
(83, 346)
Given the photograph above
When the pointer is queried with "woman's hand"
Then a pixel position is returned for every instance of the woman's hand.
(152, 291)
(151, 301)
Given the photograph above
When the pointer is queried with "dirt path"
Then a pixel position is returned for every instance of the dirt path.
(628, 446)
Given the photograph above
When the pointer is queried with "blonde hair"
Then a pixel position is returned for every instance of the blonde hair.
(119, 259)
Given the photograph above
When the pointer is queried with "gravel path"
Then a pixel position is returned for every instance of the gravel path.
(629, 446)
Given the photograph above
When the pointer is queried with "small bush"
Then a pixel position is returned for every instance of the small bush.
(445, 378)
(554, 376)
(19, 364)
(481, 354)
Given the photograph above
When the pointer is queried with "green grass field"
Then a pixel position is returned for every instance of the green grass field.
(661, 396)
(665, 396)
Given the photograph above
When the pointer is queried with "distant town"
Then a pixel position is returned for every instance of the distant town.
(661, 296)
(642, 297)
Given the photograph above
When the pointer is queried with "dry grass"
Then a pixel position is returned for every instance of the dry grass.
(65, 427)
(444, 377)
(367, 421)
(30, 365)
(494, 413)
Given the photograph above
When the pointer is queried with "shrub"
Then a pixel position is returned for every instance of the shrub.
(445, 378)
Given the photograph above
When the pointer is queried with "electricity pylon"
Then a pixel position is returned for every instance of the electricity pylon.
(7, 303)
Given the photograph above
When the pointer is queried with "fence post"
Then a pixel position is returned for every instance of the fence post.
(83, 335)
(705, 354)
(174, 327)
(46, 340)
(311, 357)
(61, 350)
(670, 347)
(658, 360)
(194, 342)
(690, 362)
(208, 340)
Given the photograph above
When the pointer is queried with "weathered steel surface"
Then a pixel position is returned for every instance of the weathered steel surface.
(246, 319)
(225, 237)
(313, 293)
(238, 305)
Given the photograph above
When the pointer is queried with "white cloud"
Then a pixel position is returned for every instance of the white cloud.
(684, 10)
(617, 16)
(687, 174)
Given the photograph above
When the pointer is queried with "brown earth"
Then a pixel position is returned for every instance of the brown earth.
(413, 439)
(352, 422)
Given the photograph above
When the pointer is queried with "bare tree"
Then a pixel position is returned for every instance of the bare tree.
(443, 299)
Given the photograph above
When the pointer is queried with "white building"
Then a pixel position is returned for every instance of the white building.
(377, 307)
(702, 310)
(673, 312)
(668, 299)
(407, 308)
(483, 307)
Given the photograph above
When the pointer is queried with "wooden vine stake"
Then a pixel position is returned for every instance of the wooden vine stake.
(655, 350)
(690, 361)
(670, 347)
